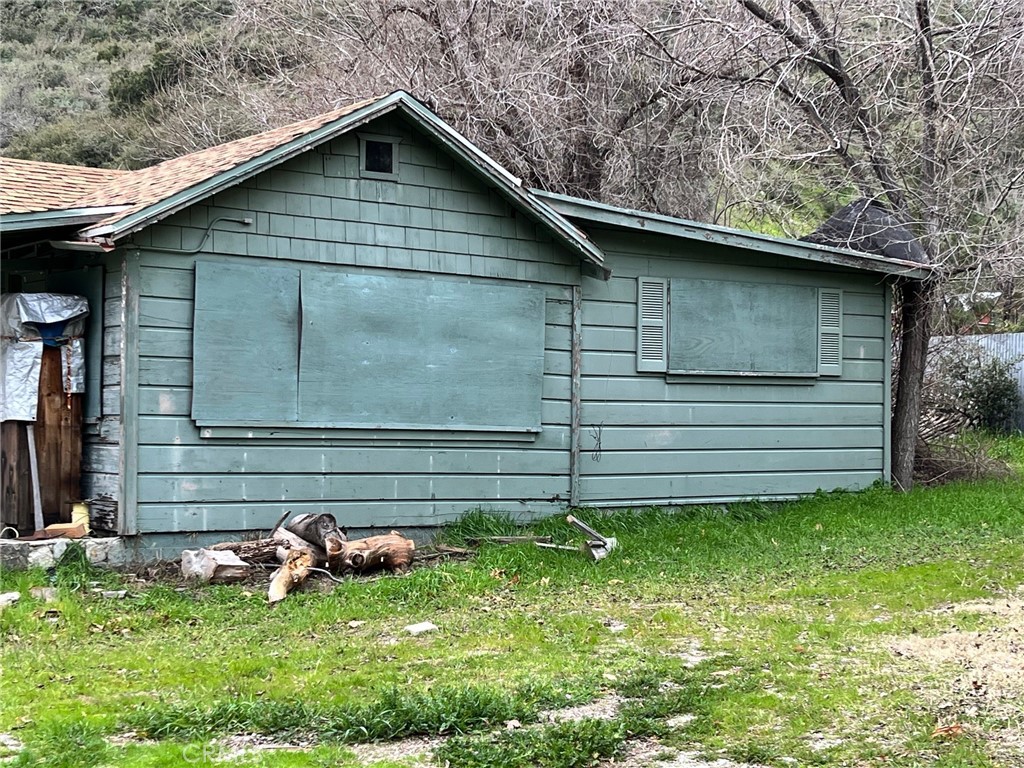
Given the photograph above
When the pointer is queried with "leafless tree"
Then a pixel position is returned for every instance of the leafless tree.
(564, 93)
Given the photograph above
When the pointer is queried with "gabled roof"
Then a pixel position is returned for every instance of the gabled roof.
(28, 186)
(114, 204)
(137, 199)
(599, 213)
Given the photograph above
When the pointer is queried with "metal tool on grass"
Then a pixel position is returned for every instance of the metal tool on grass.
(597, 546)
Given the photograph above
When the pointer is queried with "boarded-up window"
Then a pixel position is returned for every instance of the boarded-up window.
(730, 328)
(372, 351)
(245, 336)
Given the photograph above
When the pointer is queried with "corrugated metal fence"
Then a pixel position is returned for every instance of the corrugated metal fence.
(1005, 346)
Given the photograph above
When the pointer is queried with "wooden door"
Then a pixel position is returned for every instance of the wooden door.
(58, 440)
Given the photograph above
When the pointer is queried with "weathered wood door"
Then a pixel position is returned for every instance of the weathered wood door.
(58, 438)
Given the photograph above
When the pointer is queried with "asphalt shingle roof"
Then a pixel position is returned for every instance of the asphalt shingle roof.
(28, 186)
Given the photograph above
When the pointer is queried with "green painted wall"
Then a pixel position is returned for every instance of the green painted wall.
(649, 438)
(645, 438)
(314, 210)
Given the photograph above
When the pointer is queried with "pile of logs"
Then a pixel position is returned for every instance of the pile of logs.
(306, 544)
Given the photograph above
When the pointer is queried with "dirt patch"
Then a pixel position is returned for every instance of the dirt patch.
(992, 659)
(649, 753)
(233, 748)
(602, 709)
(397, 751)
(989, 682)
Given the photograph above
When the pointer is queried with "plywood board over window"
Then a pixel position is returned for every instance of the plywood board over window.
(731, 328)
(365, 351)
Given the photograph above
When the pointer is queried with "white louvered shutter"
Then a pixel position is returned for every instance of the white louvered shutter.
(830, 332)
(652, 324)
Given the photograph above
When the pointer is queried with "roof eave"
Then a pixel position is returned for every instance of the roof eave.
(68, 217)
(601, 213)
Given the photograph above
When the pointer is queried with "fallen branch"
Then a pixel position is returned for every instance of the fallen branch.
(509, 540)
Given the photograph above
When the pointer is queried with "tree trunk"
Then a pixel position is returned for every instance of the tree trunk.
(915, 298)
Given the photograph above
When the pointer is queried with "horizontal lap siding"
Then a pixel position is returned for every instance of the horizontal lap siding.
(646, 439)
(101, 449)
(436, 219)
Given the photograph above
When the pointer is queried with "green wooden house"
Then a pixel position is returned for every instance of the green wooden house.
(363, 314)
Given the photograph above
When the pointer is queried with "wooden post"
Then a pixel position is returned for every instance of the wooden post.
(575, 396)
(58, 440)
(33, 462)
(17, 477)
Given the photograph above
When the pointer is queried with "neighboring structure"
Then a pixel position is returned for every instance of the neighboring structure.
(363, 314)
(1008, 347)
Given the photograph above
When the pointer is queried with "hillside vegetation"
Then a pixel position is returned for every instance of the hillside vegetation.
(76, 77)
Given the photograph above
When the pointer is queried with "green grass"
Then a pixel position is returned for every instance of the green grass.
(795, 606)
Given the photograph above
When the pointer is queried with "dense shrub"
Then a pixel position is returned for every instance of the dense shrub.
(974, 387)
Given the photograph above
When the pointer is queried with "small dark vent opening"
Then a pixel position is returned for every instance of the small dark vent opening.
(380, 156)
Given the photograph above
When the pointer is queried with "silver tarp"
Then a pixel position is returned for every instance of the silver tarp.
(21, 352)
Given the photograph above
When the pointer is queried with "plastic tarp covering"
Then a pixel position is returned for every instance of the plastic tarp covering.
(21, 354)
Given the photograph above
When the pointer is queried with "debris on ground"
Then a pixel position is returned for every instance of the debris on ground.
(597, 547)
(9, 598)
(46, 594)
(9, 747)
(214, 567)
(420, 629)
(306, 544)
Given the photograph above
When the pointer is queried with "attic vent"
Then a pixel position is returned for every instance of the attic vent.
(830, 332)
(378, 157)
(652, 336)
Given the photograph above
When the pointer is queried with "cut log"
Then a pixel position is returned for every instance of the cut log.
(290, 575)
(289, 540)
(213, 567)
(255, 551)
(321, 531)
(392, 552)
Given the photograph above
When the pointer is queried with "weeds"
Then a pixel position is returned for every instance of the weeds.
(577, 744)
(397, 713)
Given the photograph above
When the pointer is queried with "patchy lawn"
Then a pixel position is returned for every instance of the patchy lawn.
(843, 630)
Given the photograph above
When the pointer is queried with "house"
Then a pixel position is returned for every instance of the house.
(363, 314)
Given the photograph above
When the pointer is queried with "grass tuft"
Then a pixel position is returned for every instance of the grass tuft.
(65, 744)
(397, 713)
(576, 744)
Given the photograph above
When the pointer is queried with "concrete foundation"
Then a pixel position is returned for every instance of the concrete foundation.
(16, 554)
